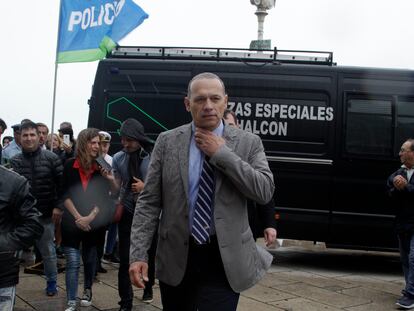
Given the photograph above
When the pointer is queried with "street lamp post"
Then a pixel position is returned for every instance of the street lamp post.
(261, 12)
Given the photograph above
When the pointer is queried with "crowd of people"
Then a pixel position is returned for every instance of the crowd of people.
(73, 200)
(186, 210)
(176, 210)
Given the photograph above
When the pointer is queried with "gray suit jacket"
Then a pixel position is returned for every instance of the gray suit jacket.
(242, 172)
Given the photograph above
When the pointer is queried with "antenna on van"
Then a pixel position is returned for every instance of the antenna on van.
(225, 54)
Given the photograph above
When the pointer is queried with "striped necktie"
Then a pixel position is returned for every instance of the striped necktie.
(204, 203)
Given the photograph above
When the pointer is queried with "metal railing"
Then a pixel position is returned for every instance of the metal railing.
(200, 53)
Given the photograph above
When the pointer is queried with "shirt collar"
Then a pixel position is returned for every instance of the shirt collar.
(404, 166)
(218, 131)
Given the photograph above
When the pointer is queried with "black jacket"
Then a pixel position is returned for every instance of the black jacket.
(95, 194)
(63, 156)
(43, 169)
(19, 224)
(403, 202)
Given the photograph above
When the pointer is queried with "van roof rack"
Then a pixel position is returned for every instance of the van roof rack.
(199, 53)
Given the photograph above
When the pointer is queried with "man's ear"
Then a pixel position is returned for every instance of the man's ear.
(187, 103)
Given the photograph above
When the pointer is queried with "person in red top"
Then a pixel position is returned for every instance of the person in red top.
(88, 210)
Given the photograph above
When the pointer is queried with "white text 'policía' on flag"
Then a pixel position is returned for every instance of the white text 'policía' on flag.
(90, 29)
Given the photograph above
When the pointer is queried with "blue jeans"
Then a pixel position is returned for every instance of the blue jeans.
(406, 244)
(46, 247)
(7, 295)
(72, 256)
(111, 238)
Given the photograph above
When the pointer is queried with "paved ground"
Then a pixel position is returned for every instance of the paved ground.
(302, 278)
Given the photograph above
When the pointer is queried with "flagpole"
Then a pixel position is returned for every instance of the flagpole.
(53, 106)
(55, 77)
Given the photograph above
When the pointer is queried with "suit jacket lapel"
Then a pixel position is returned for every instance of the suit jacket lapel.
(183, 145)
(229, 135)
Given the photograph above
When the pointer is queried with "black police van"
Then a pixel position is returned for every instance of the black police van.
(331, 134)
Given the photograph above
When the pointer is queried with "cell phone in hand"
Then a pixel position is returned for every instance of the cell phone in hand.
(103, 164)
(66, 139)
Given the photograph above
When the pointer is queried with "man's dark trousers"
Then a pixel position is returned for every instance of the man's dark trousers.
(204, 286)
(406, 244)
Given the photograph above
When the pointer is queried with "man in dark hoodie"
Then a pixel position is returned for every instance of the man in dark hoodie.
(130, 167)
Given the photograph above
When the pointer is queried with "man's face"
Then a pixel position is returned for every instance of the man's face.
(130, 145)
(105, 147)
(93, 147)
(406, 155)
(43, 131)
(207, 103)
(16, 136)
(229, 120)
(29, 139)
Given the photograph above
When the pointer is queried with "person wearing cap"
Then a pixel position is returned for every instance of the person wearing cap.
(105, 141)
(130, 167)
(13, 148)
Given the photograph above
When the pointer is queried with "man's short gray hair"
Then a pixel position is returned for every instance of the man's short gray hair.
(204, 75)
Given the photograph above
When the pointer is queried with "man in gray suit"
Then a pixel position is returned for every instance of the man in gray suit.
(198, 181)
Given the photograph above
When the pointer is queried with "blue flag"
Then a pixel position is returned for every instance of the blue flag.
(90, 29)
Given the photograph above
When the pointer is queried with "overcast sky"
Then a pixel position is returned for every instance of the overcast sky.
(376, 33)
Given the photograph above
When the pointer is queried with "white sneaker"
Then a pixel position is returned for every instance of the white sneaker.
(86, 300)
(71, 308)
